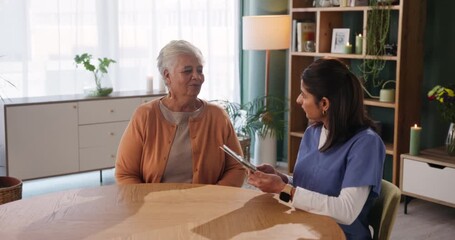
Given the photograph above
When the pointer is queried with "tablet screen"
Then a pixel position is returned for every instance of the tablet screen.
(238, 158)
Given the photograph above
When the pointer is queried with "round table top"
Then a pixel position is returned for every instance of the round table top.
(161, 211)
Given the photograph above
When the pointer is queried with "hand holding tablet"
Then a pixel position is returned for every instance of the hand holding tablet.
(239, 158)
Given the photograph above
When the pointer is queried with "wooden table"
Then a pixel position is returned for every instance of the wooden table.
(161, 211)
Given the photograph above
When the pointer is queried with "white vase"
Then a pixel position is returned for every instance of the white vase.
(265, 150)
(103, 88)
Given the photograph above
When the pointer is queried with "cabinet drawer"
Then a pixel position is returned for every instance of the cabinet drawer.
(105, 134)
(107, 110)
(97, 158)
(429, 181)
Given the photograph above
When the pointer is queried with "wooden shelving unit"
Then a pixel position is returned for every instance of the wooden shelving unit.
(408, 20)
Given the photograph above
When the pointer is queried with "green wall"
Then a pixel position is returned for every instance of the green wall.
(439, 67)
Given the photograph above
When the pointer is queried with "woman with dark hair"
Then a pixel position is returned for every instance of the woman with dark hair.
(340, 162)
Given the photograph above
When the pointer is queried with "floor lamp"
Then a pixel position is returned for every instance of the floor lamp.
(266, 32)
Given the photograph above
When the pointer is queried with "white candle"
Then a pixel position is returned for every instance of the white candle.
(149, 84)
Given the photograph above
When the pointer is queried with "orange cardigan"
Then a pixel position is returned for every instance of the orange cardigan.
(144, 148)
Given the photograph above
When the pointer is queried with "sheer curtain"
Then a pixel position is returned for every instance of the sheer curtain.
(39, 39)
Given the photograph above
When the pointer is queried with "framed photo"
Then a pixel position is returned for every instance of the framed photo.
(340, 37)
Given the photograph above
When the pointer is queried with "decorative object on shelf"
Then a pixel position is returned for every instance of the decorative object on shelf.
(344, 3)
(446, 97)
(256, 117)
(390, 49)
(358, 44)
(103, 86)
(335, 3)
(387, 95)
(309, 46)
(355, 3)
(348, 48)
(340, 38)
(414, 142)
(323, 3)
(305, 32)
(377, 31)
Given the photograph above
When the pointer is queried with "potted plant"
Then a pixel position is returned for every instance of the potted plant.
(262, 115)
(99, 73)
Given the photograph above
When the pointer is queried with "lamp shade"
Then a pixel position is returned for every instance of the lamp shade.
(266, 32)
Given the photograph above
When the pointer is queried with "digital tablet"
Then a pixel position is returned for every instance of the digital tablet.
(239, 158)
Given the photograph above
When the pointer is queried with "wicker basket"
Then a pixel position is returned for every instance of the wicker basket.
(10, 189)
(245, 143)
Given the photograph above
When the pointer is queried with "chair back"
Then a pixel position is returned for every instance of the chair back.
(383, 213)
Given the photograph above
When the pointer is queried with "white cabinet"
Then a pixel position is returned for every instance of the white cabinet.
(42, 140)
(429, 176)
(101, 125)
(59, 135)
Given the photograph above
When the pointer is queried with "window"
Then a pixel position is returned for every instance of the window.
(39, 40)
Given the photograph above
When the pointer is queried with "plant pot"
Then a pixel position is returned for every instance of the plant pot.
(264, 149)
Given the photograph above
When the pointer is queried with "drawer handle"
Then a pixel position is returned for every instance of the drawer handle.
(112, 156)
(112, 110)
(436, 166)
(111, 133)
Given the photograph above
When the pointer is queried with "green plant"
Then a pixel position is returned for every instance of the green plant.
(378, 26)
(263, 115)
(98, 71)
(445, 96)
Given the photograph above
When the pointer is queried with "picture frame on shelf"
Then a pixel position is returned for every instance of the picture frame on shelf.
(340, 37)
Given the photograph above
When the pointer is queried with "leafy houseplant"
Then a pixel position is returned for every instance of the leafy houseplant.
(99, 72)
(263, 115)
(378, 26)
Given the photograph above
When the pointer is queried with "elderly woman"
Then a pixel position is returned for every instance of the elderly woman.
(340, 160)
(177, 138)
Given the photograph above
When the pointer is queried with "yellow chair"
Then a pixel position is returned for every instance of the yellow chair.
(383, 213)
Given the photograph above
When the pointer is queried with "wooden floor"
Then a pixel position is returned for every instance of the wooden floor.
(424, 220)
